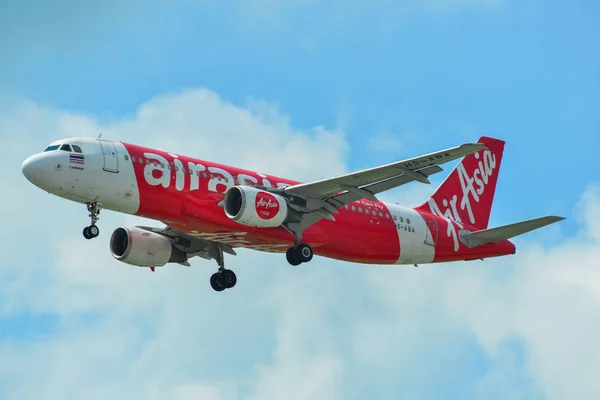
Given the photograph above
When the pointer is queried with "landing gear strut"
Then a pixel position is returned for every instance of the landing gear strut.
(300, 252)
(223, 278)
(90, 232)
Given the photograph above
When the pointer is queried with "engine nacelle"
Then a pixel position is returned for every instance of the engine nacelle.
(250, 206)
(143, 248)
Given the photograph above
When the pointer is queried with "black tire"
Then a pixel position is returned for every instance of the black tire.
(93, 231)
(228, 278)
(290, 254)
(86, 233)
(215, 284)
(303, 252)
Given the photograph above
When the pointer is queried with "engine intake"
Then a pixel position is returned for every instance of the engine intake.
(254, 207)
(142, 248)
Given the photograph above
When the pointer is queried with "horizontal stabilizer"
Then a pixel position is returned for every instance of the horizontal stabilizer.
(501, 233)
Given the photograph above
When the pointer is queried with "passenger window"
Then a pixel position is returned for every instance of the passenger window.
(65, 147)
(360, 210)
(353, 208)
(367, 211)
(407, 220)
(77, 149)
(401, 219)
(380, 214)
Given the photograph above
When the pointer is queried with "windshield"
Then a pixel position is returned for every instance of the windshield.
(72, 148)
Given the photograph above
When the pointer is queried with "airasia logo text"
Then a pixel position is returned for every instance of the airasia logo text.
(472, 186)
(159, 172)
(267, 206)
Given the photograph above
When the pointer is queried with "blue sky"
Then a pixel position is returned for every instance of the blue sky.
(397, 80)
(522, 71)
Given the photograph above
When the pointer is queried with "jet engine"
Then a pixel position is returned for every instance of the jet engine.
(143, 248)
(254, 207)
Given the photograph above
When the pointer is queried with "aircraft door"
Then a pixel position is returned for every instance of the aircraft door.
(431, 235)
(111, 158)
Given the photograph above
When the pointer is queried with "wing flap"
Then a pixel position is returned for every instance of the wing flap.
(342, 198)
(404, 179)
(505, 232)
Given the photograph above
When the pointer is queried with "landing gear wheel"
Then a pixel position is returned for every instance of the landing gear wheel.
(303, 252)
(215, 282)
(290, 254)
(228, 278)
(92, 231)
(224, 278)
(299, 254)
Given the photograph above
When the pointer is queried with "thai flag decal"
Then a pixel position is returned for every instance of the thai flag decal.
(76, 158)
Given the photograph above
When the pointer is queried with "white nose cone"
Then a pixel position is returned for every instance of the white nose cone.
(33, 169)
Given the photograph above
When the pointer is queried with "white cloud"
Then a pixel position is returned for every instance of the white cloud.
(62, 274)
(547, 298)
(325, 330)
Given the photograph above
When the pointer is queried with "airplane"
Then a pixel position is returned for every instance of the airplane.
(211, 209)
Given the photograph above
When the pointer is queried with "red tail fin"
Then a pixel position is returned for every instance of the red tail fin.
(467, 194)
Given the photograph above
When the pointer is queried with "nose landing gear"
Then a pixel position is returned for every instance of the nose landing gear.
(90, 232)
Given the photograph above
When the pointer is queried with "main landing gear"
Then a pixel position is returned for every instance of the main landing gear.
(90, 232)
(300, 253)
(223, 278)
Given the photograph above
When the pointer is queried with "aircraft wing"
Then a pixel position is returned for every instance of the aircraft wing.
(321, 199)
(347, 188)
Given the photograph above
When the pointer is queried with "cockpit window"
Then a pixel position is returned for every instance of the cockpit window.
(54, 147)
(65, 147)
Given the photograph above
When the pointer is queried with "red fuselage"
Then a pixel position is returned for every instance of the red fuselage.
(185, 193)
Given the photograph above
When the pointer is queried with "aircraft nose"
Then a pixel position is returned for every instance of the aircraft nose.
(33, 169)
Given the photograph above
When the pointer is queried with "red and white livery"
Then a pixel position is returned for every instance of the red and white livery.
(210, 209)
